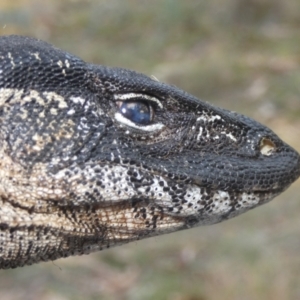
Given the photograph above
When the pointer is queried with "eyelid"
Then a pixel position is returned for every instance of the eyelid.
(147, 128)
(138, 96)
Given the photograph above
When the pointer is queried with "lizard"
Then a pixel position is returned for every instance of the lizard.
(93, 157)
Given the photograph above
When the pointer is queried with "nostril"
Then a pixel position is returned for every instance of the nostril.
(266, 147)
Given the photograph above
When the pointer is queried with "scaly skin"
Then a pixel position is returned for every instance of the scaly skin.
(79, 174)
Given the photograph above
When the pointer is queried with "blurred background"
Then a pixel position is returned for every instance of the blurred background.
(243, 55)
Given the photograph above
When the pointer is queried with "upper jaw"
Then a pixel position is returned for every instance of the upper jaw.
(263, 174)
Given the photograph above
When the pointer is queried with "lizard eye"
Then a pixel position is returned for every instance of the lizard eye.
(139, 112)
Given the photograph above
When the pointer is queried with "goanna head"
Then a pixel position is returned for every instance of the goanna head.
(131, 156)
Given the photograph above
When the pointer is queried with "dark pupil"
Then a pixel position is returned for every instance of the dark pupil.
(136, 111)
